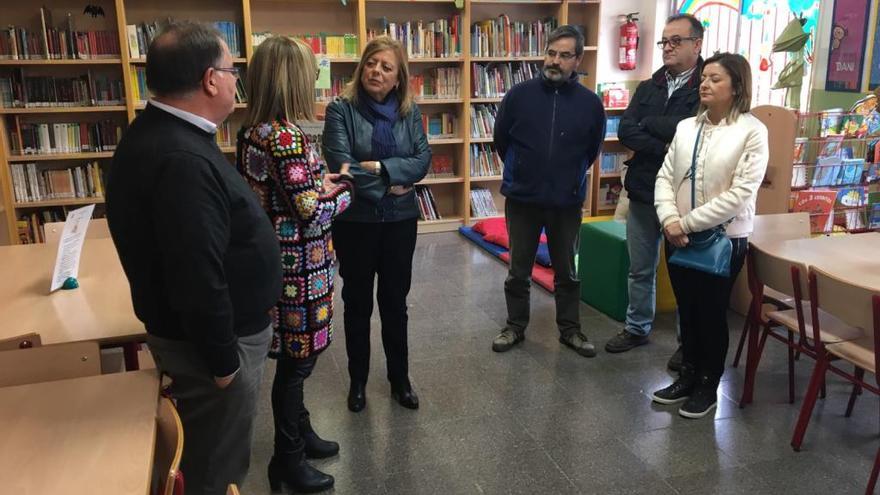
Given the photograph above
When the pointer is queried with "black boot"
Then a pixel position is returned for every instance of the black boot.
(680, 390)
(405, 395)
(704, 398)
(357, 396)
(293, 472)
(316, 447)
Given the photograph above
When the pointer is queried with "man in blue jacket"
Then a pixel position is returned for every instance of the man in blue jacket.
(548, 132)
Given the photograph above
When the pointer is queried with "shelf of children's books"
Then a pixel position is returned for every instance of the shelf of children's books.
(482, 139)
(59, 202)
(72, 61)
(437, 141)
(59, 156)
(427, 181)
(86, 109)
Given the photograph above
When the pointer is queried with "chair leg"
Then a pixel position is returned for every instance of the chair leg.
(764, 334)
(790, 368)
(752, 359)
(742, 342)
(856, 391)
(816, 380)
(872, 480)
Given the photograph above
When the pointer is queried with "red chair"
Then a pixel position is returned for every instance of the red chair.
(858, 307)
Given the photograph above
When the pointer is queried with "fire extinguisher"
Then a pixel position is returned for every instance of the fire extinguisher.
(629, 42)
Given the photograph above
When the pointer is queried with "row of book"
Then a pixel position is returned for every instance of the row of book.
(611, 163)
(440, 82)
(140, 92)
(485, 162)
(65, 137)
(337, 85)
(225, 136)
(493, 80)
(19, 91)
(439, 38)
(56, 43)
(141, 35)
(502, 38)
(482, 203)
(612, 124)
(30, 226)
(483, 120)
(331, 45)
(427, 205)
(848, 209)
(31, 184)
(440, 125)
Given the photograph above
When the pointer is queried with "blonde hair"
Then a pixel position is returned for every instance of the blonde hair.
(380, 44)
(281, 82)
(737, 67)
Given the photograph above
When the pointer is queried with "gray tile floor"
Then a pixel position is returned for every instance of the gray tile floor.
(543, 420)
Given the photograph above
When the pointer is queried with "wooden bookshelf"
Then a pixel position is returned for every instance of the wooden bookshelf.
(294, 17)
(60, 202)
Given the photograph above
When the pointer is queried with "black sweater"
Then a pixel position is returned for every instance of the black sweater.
(199, 251)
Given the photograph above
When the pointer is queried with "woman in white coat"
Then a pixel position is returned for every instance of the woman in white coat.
(729, 150)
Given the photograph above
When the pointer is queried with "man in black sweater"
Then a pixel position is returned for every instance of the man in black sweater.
(647, 128)
(199, 252)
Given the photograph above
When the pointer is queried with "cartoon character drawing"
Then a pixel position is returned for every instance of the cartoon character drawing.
(838, 33)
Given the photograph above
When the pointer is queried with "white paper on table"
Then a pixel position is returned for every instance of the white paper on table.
(70, 245)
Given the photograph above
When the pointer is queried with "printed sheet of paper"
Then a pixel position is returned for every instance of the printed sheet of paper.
(70, 245)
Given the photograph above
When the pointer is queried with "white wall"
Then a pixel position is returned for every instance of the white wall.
(652, 17)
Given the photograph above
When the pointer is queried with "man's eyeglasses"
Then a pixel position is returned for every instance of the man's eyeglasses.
(675, 41)
(235, 71)
(563, 55)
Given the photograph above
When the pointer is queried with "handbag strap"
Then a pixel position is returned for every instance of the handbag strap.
(694, 168)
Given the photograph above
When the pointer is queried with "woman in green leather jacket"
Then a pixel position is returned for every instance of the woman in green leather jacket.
(376, 129)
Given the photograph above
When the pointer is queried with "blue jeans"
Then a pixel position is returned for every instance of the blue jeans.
(643, 236)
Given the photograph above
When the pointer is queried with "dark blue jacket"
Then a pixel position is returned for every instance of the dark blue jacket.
(548, 136)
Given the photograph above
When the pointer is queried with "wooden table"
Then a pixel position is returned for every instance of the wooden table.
(854, 257)
(92, 435)
(99, 310)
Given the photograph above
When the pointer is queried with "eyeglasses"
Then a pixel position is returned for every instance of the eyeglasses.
(675, 41)
(235, 71)
(563, 55)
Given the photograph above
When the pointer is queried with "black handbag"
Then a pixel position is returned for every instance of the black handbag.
(709, 250)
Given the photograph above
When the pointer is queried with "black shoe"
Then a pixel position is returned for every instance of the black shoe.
(703, 399)
(674, 363)
(625, 341)
(680, 390)
(405, 396)
(579, 343)
(317, 447)
(287, 473)
(357, 397)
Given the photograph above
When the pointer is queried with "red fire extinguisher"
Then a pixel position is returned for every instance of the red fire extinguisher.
(629, 42)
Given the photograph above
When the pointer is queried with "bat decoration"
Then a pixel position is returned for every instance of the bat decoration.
(94, 10)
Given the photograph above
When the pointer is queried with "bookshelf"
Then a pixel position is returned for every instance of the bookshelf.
(452, 193)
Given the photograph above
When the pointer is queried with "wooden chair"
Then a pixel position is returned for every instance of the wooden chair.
(785, 276)
(25, 341)
(98, 229)
(232, 490)
(167, 478)
(769, 228)
(48, 363)
(856, 306)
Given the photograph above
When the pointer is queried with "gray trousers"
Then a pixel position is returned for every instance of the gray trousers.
(563, 228)
(218, 424)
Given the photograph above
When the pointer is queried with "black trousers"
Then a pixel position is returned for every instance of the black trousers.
(563, 226)
(367, 252)
(288, 410)
(702, 309)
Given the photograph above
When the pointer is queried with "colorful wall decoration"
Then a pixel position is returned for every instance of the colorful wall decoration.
(849, 32)
(694, 6)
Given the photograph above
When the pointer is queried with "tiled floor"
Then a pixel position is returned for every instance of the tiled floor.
(542, 420)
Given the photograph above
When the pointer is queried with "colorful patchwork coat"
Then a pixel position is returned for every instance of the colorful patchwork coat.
(280, 150)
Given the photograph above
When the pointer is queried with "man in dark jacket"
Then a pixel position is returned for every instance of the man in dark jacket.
(647, 128)
(199, 252)
(548, 132)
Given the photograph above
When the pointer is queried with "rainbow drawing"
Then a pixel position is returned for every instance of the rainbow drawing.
(694, 6)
